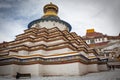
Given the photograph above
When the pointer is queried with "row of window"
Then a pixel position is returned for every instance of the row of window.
(92, 41)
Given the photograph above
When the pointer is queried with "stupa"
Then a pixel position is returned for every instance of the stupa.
(48, 48)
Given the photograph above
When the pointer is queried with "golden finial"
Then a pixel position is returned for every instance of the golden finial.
(50, 2)
(50, 9)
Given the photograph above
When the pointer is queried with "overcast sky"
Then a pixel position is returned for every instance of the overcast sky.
(102, 15)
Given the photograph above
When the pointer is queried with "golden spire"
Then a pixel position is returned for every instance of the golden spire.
(90, 30)
(50, 9)
(50, 2)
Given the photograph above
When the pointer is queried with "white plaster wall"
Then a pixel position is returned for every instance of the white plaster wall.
(23, 52)
(41, 67)
(15, 69)
(41, 52)
(12, 53)
(101, 40)
(92, 68)
(52, 52)
(58, 51)
(27, 43)
(48, 43)
(51, 24)
(24, 43)
(58, 69)
(64, 54)
(9, 69)
(62, 69)
(82, 69)
(33, 69)
(102, 67)
(55, 42)
(105, 39)
(40, 42)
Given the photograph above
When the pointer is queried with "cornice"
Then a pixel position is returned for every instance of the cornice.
(49, 61)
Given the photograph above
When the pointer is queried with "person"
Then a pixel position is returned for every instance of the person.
(18, 75)
(109, 67)
(113, 67)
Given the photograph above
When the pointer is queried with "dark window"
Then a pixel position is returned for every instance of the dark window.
(92, 41)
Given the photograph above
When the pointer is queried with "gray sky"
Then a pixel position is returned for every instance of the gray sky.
(102, 15)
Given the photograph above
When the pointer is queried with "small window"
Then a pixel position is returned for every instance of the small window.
(92, 41)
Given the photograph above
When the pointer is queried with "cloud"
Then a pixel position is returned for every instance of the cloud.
(103, 15)
(98, 14)
(10, 29)
(5, 6)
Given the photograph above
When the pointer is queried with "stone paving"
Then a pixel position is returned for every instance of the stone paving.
(107, 75)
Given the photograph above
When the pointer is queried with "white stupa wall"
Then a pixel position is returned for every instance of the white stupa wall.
(47, 43)
(39, 42)
(13, 53)
(82, 69)
(41, 52)
(9, 70)
(29, 44)
(68, 69)
(59, 51)
(62, 69)
(55, 42)
(52, 52)
(35, 69)
(15, 69)
(92, 68)
(102, 67)
(23, 52)
(51, 24)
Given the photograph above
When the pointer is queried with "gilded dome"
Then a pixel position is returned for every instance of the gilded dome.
(50, 9)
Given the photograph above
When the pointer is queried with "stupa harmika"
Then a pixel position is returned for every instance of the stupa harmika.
(48, 47)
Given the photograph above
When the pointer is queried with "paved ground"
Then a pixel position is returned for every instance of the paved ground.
(107, 75)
